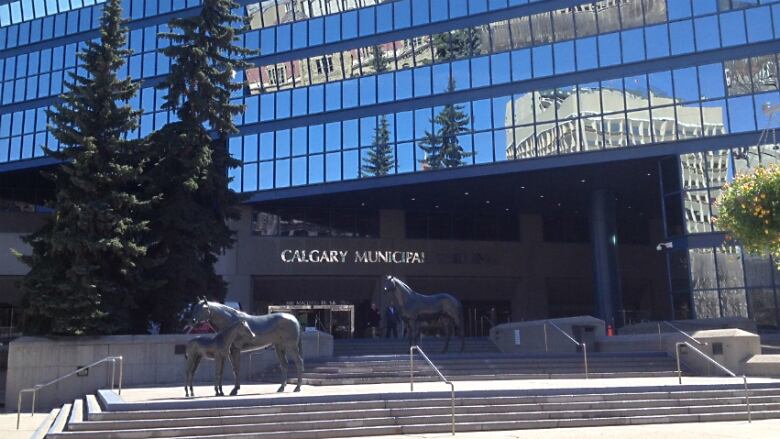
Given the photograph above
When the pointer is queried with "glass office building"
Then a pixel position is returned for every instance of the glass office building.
(591, 132)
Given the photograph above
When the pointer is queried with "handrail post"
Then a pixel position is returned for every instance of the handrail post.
(660, 344)
(113, 372)
(747, 399)
(585, 356)
(18, 409)
(436, 369)
(121, 369)
(411, 368)
(452, 407)
(679, 369)
(546, 349)
(32, 407)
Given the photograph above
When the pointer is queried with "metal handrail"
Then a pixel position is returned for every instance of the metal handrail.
(482, 320)
(436, 369)
(718, 365)
(583, 344)
(688, 336)
(34, 390)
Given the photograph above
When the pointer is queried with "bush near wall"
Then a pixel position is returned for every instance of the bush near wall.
(750, 211)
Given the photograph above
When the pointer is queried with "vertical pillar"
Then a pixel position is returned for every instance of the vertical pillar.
(603, 233)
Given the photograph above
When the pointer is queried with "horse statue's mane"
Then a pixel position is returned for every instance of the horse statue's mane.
(402, 285)
(228, 309)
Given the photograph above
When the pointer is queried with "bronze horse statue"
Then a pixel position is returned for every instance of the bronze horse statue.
(216, 348)
(415, 308)
(280, 330)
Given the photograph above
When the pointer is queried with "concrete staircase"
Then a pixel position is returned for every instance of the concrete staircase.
(391, 346)
(377, 369)
(407, 413)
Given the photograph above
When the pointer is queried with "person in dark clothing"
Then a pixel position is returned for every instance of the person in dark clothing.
(373, 321)
(392, 322)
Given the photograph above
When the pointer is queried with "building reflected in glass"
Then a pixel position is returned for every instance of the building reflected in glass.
(678, 89)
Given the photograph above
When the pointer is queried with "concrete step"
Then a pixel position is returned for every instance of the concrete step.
(404, 378)
(429, 423)
(44, 427)
(399, 346)
(394, 366)
(420, 413)
(521, 411)
(300, 404)
(377, 369)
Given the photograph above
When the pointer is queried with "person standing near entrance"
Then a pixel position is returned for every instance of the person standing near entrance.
(392, 322)
(373, 321)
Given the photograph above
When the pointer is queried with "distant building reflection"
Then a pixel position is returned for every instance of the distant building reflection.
(584, 119)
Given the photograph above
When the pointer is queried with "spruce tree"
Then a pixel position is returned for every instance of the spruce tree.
(85, 262)
(378, 59)
(380, 159)
(442, 148)
(457, 44)
(190, 225)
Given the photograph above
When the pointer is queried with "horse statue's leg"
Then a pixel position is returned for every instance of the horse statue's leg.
(192, 373)
(298, 359)
(219, 364)
(448, 329)
(280, 354)
(187, 381)
(235, 362)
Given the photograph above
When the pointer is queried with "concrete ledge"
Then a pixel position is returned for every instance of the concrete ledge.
(148, 360)
(763, 366)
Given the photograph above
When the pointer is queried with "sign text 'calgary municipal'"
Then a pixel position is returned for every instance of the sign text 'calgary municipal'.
(357, 256)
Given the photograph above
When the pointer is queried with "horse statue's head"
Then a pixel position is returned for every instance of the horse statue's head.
(388, 284)
(201, 311)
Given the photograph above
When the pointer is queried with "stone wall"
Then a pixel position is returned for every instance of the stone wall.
(148, 360)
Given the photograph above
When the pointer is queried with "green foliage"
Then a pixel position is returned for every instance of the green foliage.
(457, 44)
(442, 148)
(380, 159)
(85, 262)
(749, 210)
(191, 161)
(378, 59)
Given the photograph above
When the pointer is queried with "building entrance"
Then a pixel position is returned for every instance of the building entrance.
(337, 320)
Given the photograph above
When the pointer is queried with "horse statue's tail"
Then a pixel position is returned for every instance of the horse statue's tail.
(462, 327)
(300, 338)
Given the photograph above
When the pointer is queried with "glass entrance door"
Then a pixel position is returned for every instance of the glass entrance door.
(337, 320)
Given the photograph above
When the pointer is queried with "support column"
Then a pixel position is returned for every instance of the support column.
(603, 234)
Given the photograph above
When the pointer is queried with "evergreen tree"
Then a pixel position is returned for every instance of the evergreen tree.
(380, 159)
(378, 59)
(457, 44)
(85, 262)
(442, 148)
(190, 224)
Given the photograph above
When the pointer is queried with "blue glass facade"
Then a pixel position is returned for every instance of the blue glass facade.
(535, 79)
